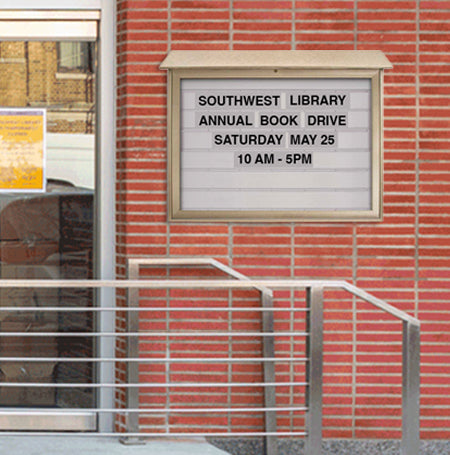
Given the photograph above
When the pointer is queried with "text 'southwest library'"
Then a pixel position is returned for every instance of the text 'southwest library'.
(226, 219)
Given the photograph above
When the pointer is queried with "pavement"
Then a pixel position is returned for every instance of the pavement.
(95, 445)
(76, 445)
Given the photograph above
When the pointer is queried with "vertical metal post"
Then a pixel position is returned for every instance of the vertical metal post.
(314, 370)
(105, 348)
(132, 350)
(105, 225)
(270, 442)
(411, 389)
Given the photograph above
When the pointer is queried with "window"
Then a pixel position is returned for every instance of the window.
(76, 57)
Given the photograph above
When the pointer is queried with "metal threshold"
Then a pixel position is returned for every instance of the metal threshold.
(16, 419)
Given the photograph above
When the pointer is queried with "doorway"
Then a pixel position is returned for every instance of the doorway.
(48, 218)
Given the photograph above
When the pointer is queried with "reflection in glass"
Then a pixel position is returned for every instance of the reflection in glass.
(49, 235)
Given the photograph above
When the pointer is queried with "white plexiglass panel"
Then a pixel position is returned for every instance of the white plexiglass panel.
(276, 144)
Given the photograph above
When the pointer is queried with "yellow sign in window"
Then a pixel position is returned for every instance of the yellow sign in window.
(22, 150)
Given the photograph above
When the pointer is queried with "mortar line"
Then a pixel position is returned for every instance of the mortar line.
(354, 270)
(293, 25)
(167, 368)
(231, 24)
(292, 325)
(169, 47)
(354, 328)
(417, 168)
(292, 266)
(230, 320)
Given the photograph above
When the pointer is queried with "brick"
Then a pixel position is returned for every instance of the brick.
(199, 26)
(381, 257)
(185, 46)
(269, 5)
(365, 36)
(274, 240)
(251, 15)
(333, 5)
(197, 4)
(436, 4)
(300, 25)
(239, 36)
(433, 26)
(387, 15)
(191, 36)
(326, 37)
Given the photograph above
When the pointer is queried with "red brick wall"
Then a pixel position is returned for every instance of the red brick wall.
(404, 259)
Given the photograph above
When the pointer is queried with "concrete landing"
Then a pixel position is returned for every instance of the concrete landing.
(72, 445)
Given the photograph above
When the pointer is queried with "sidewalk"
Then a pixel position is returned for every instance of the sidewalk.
(91, 445)
(73, 445)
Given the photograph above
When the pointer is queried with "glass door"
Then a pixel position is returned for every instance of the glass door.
(48, 118)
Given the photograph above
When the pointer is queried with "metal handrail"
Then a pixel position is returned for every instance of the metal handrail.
(410, 355)
(134, 264)
(265, 285)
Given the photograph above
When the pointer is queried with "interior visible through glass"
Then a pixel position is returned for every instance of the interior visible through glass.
(47, 233)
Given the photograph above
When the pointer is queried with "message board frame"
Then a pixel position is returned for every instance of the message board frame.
(175, 209)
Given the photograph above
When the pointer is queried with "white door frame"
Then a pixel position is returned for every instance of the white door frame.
(105, 169)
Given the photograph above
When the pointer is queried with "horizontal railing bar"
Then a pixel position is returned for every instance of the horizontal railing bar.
(169, 284)
(143, 435)
(180, 284)
(153, 360)
(381, 304)
(138, 309)
(168, 410)
(216, 284)
(180, 262)
(174, 261)
(147, 385)
(192, 334)
(62, 411)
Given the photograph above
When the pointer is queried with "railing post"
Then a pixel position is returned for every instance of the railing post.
(132, 351)
(314, 370)
(270, 442)
(411, 389)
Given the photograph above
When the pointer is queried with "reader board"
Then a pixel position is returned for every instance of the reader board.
(268, 145)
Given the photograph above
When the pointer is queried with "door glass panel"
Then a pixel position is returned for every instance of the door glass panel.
(48, 234)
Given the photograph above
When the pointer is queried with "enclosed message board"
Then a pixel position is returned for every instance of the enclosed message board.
(275, 136)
